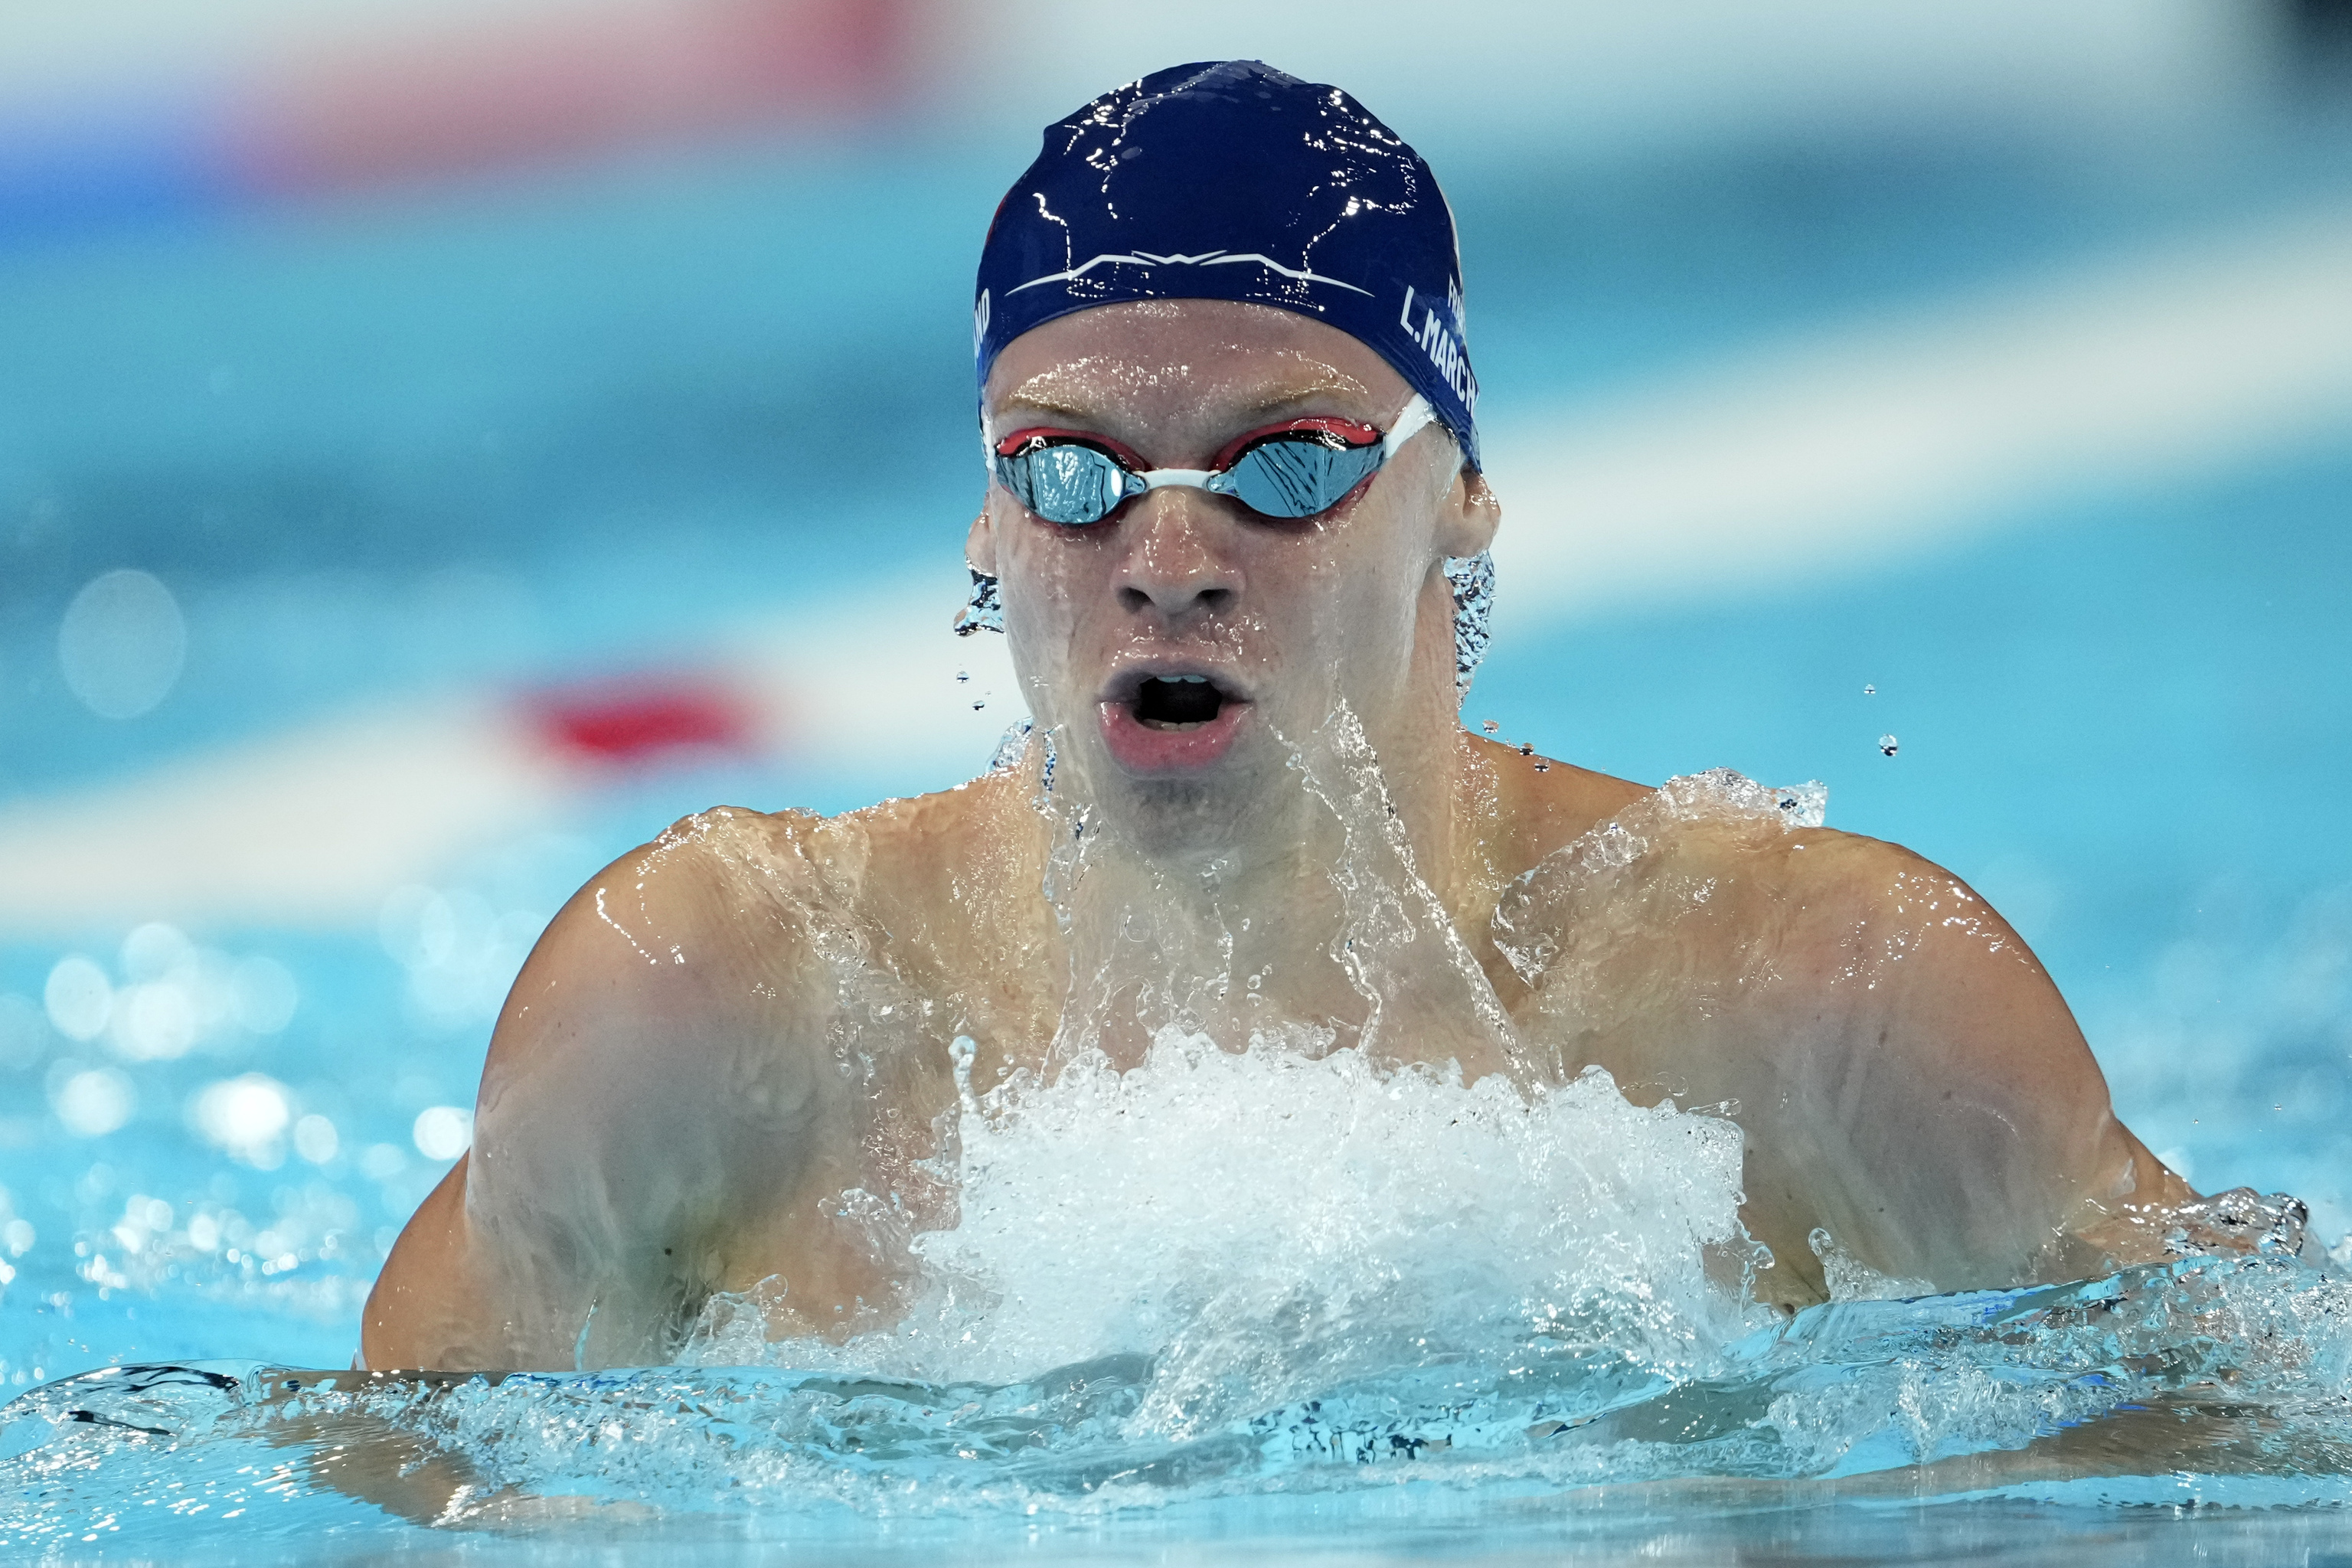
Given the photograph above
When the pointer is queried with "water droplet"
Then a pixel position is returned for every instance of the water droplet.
(1526, 748)
(1887, 744)
(1543, 767)
(963, 675)
(1490, 726)
(1867, 689)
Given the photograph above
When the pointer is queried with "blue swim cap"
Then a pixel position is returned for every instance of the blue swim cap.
(1229, 180)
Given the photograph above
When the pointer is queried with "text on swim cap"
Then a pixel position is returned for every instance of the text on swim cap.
(1445, 350)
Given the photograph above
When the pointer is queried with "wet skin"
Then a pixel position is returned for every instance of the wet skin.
(727, 1031)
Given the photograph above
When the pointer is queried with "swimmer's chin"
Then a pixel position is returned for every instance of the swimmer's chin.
(1146, 749)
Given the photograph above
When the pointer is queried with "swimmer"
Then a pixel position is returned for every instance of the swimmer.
(1228, 420)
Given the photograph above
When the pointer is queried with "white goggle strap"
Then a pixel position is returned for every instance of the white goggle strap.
(1409, 421)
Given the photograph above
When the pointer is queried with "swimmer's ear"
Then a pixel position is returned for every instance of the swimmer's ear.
(1468, 515)
(979, 546)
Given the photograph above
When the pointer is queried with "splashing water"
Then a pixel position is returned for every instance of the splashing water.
(1269, 1224)
(1256, 1274)
(1286, 1275)
(2208, 1379)
(1472, 578)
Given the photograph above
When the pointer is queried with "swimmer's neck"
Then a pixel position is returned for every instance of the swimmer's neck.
(1413, 806)
(1260, 934)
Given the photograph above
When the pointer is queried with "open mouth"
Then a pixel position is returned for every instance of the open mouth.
(1172, 723)
(1178, 701)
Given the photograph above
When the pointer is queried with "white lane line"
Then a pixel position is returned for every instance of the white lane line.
(1842, 450)
(306, 828)
(1836, 453)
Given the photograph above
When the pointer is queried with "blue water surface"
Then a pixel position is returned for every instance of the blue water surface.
(614, 407)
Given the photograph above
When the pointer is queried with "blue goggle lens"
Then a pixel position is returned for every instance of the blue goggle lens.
(1285, 476)
(1064, 482)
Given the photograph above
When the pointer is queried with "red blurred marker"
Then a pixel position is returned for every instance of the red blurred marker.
(637, 722)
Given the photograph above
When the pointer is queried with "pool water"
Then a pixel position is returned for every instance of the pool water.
(2124, 716)
(1297, 1295)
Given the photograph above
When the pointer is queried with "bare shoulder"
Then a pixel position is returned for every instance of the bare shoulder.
(703, 917)
(1908, 1076)
(722, 928)
(660, 1091)
(1540, 803)
(1717, 861)
(1861, 922)
(650, 1015)
(939, 849)
(1727, 887)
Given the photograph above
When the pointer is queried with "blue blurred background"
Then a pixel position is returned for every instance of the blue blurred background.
(439, 445)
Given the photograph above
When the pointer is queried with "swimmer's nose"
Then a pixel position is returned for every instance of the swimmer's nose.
(1175, 564)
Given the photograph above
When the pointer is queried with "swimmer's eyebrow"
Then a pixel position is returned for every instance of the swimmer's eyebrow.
(1045, 404)
(1275, 405)
(1269, 406)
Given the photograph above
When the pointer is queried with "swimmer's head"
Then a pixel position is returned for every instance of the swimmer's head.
(1233, 181)
(1202, 262)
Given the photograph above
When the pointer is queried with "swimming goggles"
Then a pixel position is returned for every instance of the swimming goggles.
(1294, 470)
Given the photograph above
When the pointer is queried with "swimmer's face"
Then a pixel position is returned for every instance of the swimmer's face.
(1184, 648)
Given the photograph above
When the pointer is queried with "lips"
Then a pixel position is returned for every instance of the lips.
(1167, 722)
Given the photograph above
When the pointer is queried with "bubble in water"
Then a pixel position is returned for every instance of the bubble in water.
(79, 997)
(263, 996)
(1010, 747)
(1472, 581)
(94, 1102)
(1869, 690)
(315, 1138)
(1887, 744)
(153, 951)
(154, 1021)
(122, 644)
(443, 1131)
(1489, 726)
(244, 1116)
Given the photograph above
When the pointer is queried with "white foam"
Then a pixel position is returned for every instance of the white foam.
(1269, 1224)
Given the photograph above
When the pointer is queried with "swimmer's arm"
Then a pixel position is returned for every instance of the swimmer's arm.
(1962, 1132)
(648, 1084)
